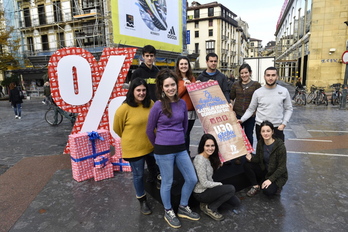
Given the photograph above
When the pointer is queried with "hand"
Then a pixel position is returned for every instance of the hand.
(187, 82)
(248, 157)
(211, 80)
(240, 121)
(281, 127)
(266, 184)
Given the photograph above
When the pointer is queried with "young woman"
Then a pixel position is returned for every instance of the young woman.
(268, 166)
(16, 100)
(166, 130)
(211, 194)
(241, 94)
(184, 72)
(130, 124)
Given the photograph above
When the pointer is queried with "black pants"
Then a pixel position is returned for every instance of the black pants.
(218, 195)
(256, 176)
(277, 133)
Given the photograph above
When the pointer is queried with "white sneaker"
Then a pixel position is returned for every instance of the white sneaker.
(16, 116)
(19, 117)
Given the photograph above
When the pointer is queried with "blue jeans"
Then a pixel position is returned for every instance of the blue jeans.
(17, 108)
(166, 165)
(248, 126)
(138, 176)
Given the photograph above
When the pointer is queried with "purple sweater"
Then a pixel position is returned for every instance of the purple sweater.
(169, 131)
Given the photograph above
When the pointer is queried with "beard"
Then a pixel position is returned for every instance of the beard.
(271, 84)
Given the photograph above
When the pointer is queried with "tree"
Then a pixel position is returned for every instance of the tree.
(8, 46)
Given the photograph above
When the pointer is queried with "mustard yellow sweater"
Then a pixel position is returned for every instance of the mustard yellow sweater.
(130, 124)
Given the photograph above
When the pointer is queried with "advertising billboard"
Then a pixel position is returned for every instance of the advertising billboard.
(141, 22)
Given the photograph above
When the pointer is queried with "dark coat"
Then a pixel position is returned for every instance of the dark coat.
(15, 98)
(277, 171)
(220, 78)
(150, 76)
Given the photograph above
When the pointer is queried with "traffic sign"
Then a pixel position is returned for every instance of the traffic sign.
(345, 57)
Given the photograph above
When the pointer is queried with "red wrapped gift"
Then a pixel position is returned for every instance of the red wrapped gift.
(119, 164)
(84, 148)
(101, 173)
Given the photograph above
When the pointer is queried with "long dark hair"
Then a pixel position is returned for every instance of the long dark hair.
(267, 123)
(161, 76)
(130, 100)
(214, 158)
(189, 71)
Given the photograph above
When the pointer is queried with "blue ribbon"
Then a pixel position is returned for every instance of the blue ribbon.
(120, 164)
(92, 137)
(102, 162)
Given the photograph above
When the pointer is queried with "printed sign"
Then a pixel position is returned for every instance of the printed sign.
(218, 119)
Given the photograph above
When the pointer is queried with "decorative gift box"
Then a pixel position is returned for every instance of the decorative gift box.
(119, 164)
(103, 169)
(84, 148)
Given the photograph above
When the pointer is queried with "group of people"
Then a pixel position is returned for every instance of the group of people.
(155, 121)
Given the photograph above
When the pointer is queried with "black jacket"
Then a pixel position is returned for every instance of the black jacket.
(220, 78)
(15, 98)
(149, 75)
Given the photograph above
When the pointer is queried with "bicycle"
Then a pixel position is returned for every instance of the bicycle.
(321, 97)
(312, 95)
(336, 96)
(54, 115)
(300, 97)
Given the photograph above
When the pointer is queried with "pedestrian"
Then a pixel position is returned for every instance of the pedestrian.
(241, 93)
(47, 93)
(271, 102)
(148, 71)
(16, 100)
(230, 80)
(211, 73)
(1, 93)
(184, 72)
(130, 124)
(299, 86)
(166, 130)
(209, 193)
(267, 169)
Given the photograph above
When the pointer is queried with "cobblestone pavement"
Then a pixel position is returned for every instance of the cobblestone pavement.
(37, 192)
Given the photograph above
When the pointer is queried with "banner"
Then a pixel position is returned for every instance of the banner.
(218, 119)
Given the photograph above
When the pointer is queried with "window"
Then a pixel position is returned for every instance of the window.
(210, 46)
(210, 22)
(44, 41)
(210, 32)
(196, 14)
(196, 34)
(252, 44)
(30, 44)
(27, 20)
(61, 41)
(42, 14)
(197, 48)
(57, 11)
(197, 24)
(211, 11)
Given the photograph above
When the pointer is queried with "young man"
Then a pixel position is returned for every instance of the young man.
(271, 102)
(147, 70)
(211, 73)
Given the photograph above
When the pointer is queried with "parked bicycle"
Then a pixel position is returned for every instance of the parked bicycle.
(54, 115)
(321, 97)
(300, 97)
(312, 96)
(336, 96)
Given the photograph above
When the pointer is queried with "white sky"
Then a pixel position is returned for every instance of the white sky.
(261, 15)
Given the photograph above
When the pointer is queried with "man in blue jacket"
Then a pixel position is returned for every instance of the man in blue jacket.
(211, 73)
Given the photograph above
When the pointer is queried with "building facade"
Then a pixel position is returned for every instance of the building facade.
(311, 37)
(213, 28)
(255, 47)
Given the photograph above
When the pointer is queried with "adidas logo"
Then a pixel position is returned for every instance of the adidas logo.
(171, 34)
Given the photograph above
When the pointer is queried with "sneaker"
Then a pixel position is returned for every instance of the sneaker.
(253, 191)
(19, 117)
(202, 206)
(186, 212)
(213, 214)
(171, 218)
(16, 116)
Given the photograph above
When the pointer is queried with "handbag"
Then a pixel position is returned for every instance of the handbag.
(21, 94)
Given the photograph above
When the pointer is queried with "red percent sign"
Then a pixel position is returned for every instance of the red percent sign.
(81, 84)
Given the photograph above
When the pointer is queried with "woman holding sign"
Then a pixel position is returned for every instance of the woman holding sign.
(184, 72)
(268, 166)
(130, 124)
(211, 194)
(166, 130)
